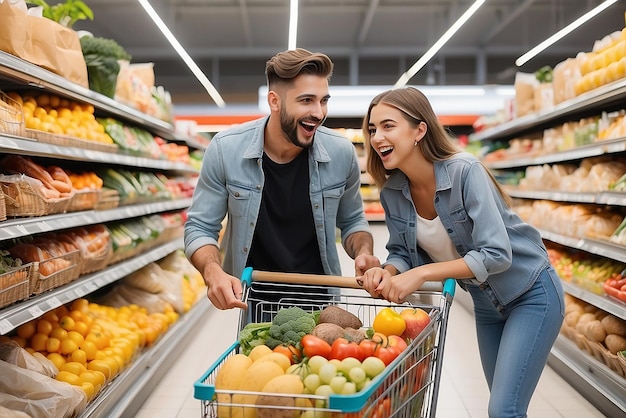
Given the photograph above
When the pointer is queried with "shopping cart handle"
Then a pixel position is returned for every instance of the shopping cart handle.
(248, 275)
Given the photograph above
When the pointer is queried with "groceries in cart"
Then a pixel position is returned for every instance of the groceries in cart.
(352, 357)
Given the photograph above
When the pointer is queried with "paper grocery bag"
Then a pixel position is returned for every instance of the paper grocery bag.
(57, 49)
(42, 42)
(14, 37)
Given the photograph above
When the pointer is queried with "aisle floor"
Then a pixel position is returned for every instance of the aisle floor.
(463, 392)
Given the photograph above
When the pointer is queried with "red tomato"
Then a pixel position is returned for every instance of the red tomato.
(368, 347)
(343, 348)
(314, 346)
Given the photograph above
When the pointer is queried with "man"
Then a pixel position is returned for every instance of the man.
(285, 182)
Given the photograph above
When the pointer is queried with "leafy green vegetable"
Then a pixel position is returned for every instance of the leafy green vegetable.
(101, 56)
(253, 334)
(544, 74)
(66, 13)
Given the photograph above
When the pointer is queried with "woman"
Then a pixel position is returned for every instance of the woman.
(448, 217)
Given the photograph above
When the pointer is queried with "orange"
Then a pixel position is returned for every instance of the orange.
(67, 322)
(57, 359)
(80, 305)
(68, 346)
(38, 342)
(76, 315)
(68, 377)
(59, 333)
(73, 367)
(95, 377)
(53, 345)
(100, 366)
(44, 326)
(90, 349)
(81, 327)
(78, 356)
(76, 337)
(27, 330)
(89, 389)
(51, 316)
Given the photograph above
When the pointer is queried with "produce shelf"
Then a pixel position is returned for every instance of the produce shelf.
(21, 71)
(599, 384)
(607, 97)
(129, 390)
(20, 227)
(24, 146)
(16, 315)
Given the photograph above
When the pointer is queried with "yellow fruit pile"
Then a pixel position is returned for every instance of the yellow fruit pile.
(603, 66)
(90, 343)
(56, 115)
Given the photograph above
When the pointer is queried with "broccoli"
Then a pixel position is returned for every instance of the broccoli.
(289, 326)
(253, 334)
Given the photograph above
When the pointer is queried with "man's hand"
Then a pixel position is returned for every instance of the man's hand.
(365, 262)
(223, 290)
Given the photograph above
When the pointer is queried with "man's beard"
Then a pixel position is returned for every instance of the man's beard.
(289, 127)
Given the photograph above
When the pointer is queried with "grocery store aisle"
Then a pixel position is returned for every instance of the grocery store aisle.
(463, 392)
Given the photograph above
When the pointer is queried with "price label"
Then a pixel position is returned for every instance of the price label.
(35, 311)
(54, 302)
(5, 326)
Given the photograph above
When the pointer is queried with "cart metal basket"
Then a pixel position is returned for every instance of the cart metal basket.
(408, 387)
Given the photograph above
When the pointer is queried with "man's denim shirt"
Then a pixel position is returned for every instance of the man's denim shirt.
(231, 182)
(496, 244)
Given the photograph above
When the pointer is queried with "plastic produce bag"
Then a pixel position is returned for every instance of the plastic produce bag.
(12, 353)
(38, 395)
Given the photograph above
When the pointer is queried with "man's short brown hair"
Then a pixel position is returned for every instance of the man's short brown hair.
(287, 65)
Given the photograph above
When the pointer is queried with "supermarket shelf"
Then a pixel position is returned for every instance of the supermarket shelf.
(600, 198)
(128, 391)
(23, 146)
(21, 71)
(20, 227)
(584, 151)
(605, 303)
(601, 99)
(602, 248)
(599, 384)
(22, 312)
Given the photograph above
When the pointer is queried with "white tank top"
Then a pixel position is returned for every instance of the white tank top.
(433, 238)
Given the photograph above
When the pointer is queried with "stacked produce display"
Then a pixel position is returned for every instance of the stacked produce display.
(561, 156)
(94, 184)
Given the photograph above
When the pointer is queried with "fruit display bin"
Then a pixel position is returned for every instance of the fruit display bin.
(407, 387)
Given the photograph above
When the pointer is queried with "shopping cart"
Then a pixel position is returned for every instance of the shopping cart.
(409, 385)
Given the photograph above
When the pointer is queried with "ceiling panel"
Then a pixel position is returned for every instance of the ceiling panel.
(371, 41)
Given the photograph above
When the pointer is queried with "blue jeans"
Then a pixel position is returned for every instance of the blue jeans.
(515, 341)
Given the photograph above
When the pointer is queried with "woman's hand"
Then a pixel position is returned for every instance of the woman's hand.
(371, 280)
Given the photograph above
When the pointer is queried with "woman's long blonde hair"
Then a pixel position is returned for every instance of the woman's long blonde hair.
(436, 145)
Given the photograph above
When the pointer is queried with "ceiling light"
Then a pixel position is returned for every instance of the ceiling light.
(560, 34)
(293, 24)
(183, 53)
(437, 45)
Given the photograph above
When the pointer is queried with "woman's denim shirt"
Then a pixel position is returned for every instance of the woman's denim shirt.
(499, 248)
(231, 182)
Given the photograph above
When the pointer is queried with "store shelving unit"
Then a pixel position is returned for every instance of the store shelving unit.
(131, 386)
(602, 386)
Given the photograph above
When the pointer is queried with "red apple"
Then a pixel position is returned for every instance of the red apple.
(416, 320)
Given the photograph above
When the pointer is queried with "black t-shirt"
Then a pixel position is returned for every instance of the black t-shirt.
(284, 239)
